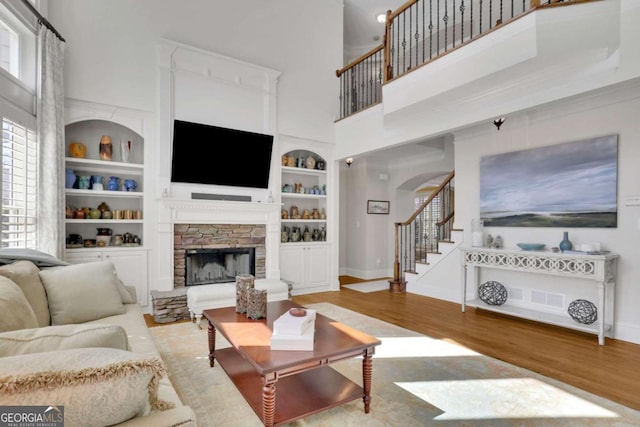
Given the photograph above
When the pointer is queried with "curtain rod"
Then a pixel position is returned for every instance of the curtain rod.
(42, 20)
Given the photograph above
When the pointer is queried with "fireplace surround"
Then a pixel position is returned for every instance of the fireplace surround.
(216, 253)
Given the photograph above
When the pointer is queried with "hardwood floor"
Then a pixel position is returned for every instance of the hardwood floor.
(611, 371)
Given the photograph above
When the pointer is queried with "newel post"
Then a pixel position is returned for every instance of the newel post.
(398, 284)
(388, 71)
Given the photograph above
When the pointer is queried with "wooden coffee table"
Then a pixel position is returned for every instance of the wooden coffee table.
(305, 383)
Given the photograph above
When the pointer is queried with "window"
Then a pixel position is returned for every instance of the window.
(18, 63)
(429, 218)
(19, 186)
(9, 50)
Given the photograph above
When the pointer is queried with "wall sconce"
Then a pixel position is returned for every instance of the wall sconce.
(349, 161)
(499, 122)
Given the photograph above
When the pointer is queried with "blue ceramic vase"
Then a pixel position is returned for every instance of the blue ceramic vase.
(69, 178)
(566, 244)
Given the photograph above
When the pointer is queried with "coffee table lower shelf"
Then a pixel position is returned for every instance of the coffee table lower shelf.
(297, 395)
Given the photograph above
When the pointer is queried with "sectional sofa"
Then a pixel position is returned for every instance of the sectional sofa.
(72, 337)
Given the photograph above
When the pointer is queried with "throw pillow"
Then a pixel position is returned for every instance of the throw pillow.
(63, 337)
(125, 295)
(96, 386)
(41, 259)
(82, 292)
(25, 274)
(15, 311)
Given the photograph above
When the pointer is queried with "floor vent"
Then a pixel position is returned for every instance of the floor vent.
(515, 294)
(547, 298)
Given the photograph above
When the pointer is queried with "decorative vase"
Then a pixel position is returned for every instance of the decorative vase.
(125, 149)
(69, 178)
(566, 244)
(77, 150)
(114, 183)
(477, 233)
(106, 148)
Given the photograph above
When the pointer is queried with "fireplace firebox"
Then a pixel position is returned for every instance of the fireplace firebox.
(207, 266)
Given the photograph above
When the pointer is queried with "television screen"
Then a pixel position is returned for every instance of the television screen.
(205, 154)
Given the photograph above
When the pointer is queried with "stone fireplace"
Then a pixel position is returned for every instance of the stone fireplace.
(216, 253)
(209, 224)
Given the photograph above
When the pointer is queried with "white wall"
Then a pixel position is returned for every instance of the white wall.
(612, 111)
(367, 241)
(111, 50)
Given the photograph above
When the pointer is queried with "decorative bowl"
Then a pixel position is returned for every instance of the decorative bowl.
(297, 312)
(531, 246)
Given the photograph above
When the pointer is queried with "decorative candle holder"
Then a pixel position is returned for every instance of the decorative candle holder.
(244, 282)
(256, 303)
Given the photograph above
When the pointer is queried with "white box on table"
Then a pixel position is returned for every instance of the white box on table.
(294, 325)
(294, 342)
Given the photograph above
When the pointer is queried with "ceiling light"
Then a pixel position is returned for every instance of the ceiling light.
(381, 18)
(349, 161)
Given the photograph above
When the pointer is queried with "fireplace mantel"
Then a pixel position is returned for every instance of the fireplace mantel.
(222, 212)
(195, 211)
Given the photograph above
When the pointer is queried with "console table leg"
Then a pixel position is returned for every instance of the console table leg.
(602, 308)
(268, 403)
(212, 344)
(367, 370)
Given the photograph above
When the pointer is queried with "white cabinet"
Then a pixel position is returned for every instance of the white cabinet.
(305, 265)
(305, 242)
(130, 264)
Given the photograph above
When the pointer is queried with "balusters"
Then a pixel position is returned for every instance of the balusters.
(446, 25)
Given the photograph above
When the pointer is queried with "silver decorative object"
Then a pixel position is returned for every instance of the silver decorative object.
(492, 293)
(244, 282)
(256, 303)
(583, 311)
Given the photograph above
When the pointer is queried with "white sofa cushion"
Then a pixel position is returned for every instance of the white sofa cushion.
(25, 274)
(15, 311)
(82, 292)
(63, 337)
(96, 386)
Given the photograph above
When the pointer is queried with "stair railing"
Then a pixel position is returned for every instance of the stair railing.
(420, 235)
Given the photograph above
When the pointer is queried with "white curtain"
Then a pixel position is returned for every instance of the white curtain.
(50, 115)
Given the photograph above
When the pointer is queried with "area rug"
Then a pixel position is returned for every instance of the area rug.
(366, 287)
(417, 381)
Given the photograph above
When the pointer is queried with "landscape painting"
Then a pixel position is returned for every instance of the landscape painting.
(566, 185)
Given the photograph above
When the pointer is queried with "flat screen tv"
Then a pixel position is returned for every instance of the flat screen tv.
(205, 154)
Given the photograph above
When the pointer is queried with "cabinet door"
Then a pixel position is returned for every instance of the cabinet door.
(292, 264)
(81, 258)
(317, 266)
(131, 267)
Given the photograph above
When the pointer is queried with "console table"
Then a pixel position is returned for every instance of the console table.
(599, 270)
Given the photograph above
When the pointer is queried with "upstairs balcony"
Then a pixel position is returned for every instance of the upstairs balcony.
(447, 64)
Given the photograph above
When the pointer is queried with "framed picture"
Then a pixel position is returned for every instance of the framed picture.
(573, 184)
(378, 207)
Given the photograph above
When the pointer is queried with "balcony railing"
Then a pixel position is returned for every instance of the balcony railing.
(419, 32)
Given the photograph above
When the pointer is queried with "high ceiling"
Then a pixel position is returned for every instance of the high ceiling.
(360, 25)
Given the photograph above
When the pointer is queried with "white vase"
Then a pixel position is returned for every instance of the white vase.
(125, 149)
